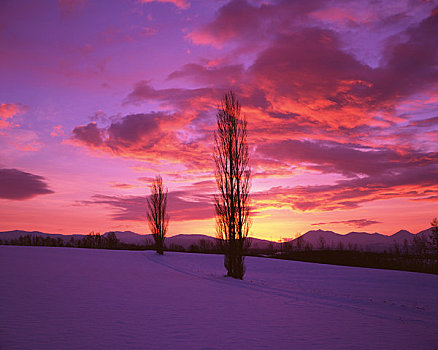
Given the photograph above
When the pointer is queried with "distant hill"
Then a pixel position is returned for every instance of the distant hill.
(317, 238)
(257, 243)
(364, 240)
(8, 235)
(187, 240)
(130, 237)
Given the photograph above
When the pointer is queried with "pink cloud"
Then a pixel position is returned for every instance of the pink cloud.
(57, 131)
(8, 111)
(23, 140)
(182, 4)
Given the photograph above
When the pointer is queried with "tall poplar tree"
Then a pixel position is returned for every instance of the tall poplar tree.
(233, 175)
(156, 213)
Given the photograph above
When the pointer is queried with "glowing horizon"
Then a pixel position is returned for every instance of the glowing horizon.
(98, 98)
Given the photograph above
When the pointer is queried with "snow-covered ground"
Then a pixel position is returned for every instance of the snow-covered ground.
(65, 298)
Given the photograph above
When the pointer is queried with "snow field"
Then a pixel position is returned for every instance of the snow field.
(65, 298)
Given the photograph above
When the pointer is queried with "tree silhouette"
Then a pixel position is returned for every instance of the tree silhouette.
(112, 242)
(434, 237)
(233, 180)
(419, 245)
(156, 213)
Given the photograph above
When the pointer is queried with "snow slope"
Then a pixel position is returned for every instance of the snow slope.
(66, 298)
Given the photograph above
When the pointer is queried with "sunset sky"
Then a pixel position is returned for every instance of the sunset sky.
(98, 97)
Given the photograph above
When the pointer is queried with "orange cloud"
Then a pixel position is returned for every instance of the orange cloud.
(350, 194)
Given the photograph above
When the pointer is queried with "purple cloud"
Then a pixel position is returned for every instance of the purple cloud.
(220, 75)
(149, 136)
(19, 185)
(183, 99)
(347, 159)
(133, 133)
(241, 21)
(89, 134)
(423, 123)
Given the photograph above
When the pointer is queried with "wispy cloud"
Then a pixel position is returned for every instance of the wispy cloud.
(182, 206)
(354, 222)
